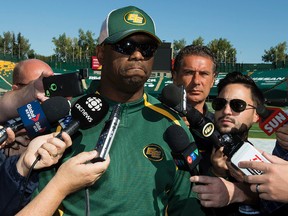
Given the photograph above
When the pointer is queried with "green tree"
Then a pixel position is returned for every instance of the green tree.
(276, 54)
(11, 45)
(198, 42)
(81, 48)
(6, 43)
(178, 45)
(22, 47)
(63, 45)
(223, 50)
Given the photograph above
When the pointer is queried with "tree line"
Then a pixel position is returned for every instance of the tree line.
(81, 48)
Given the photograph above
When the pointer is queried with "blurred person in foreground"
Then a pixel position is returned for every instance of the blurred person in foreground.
(14, 172)
(142, 178)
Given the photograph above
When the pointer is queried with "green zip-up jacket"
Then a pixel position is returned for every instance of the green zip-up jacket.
(142, 178)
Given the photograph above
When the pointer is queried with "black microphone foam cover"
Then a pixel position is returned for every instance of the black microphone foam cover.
(194, 117)
(89, 110)
(171, 95)
(55, 108)
(262, 111)
(177, 138)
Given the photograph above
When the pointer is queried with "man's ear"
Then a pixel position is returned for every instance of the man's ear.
(15, 87)
(256, 118)
(100, 53)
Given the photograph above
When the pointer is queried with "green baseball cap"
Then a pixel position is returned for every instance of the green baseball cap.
(125, 21)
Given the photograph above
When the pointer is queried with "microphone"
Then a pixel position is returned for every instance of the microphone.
(203, 127)
(185, 154)
(271, 118)
(36, 118)
(107, 134)
(86, 112)
(238, 150)
(172, 97)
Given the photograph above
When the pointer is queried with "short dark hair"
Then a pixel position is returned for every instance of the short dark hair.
(196, 50)
(239, 78)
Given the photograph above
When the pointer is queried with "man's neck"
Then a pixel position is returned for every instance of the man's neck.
(200, 107)
(118, 96)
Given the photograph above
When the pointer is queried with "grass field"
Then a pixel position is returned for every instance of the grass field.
(256, 132)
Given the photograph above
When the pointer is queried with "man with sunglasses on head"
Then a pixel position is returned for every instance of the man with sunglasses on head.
(142, 178)
(235, 113)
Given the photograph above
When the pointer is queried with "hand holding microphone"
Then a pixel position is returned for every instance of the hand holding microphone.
(49, 150)
(36, 118)
(238, 150)
(10, 137)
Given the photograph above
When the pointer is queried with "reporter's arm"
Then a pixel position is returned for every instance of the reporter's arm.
(218, 192)
(73, 175)
(272, 183)
(12, 187)
(14, 170)
(282, 137)
(12, 100)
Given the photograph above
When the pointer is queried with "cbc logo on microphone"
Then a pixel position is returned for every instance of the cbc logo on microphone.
(94, 103)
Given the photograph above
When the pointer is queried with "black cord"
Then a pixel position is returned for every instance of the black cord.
(87, 202)
(15, 146)
(27, 180)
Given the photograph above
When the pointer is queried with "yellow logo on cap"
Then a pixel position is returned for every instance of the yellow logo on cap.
(135, 18)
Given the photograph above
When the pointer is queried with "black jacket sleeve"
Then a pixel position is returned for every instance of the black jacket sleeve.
(14, 188)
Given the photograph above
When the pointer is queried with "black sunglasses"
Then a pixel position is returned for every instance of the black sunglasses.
(237, 105)
(128, 47)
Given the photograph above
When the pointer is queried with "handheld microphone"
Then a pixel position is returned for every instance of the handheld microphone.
(86, 112)
(36, 118)
(185, 154)
(172, 97)
(271, 118)
(203, 127)
(238, 150)
(107, 134)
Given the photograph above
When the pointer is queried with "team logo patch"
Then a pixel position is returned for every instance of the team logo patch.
(208, 129)
(153, 152)
(135, 18)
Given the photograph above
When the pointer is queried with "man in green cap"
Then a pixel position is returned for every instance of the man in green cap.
(142, 178)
